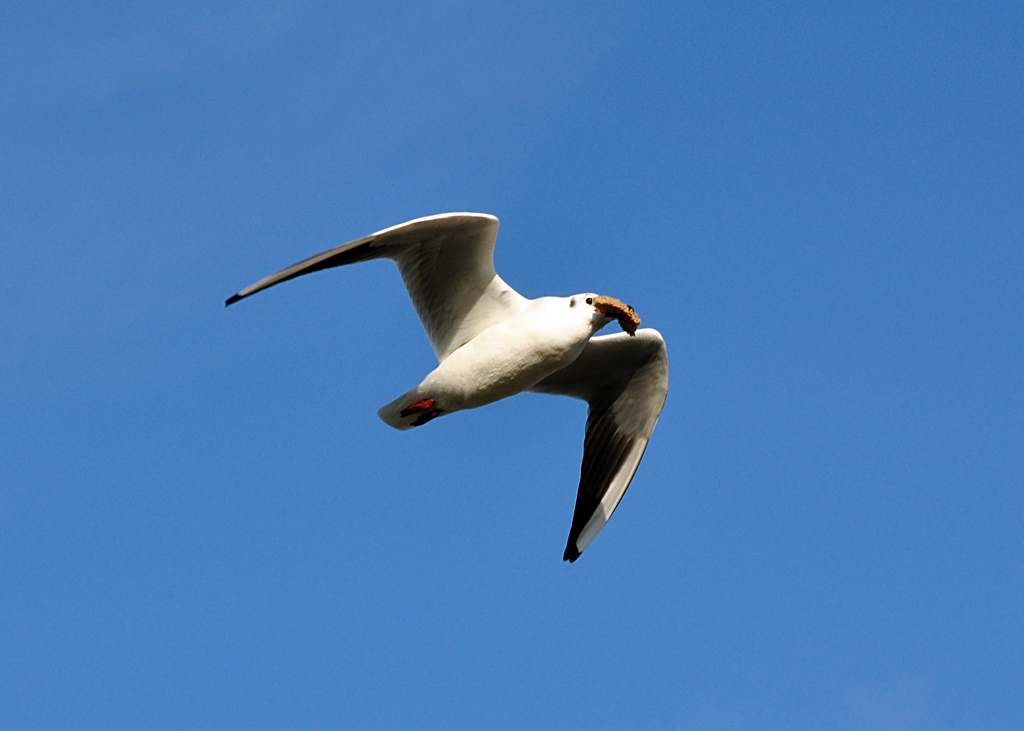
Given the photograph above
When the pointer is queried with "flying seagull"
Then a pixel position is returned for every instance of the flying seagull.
(492, 343)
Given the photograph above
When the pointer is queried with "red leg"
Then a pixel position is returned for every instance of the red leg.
(417, 407)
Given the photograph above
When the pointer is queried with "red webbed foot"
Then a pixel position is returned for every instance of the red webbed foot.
(425, 410)
(417, 407)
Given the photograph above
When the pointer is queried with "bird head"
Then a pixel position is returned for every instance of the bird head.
(606, 309)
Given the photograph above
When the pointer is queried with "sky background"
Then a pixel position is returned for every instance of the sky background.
(203, 523)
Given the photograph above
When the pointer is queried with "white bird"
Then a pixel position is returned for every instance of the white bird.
(492, 343)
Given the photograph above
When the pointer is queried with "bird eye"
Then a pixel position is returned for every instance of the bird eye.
(590, 300)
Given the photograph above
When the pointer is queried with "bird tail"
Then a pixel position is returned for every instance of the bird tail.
(412, 408)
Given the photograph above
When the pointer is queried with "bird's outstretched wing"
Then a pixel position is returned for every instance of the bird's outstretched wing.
(625, 381)
(447, 264)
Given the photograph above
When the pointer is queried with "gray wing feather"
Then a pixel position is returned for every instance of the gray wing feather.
(447, 264)
(625, 381)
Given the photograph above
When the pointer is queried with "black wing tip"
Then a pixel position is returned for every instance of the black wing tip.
(232, 300)
(571, 554)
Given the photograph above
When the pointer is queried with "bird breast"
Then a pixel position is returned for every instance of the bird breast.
(506, 359)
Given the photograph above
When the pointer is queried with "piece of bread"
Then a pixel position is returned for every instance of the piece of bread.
(626, 315)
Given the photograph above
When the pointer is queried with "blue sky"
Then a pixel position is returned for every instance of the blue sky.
(203, 523)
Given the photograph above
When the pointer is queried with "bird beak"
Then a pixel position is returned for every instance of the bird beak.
(618, 310)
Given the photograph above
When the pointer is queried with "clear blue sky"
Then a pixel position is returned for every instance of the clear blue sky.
(203, 523)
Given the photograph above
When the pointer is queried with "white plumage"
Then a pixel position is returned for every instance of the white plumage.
(492, 343)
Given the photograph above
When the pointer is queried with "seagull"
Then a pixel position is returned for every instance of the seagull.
(492, 343)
